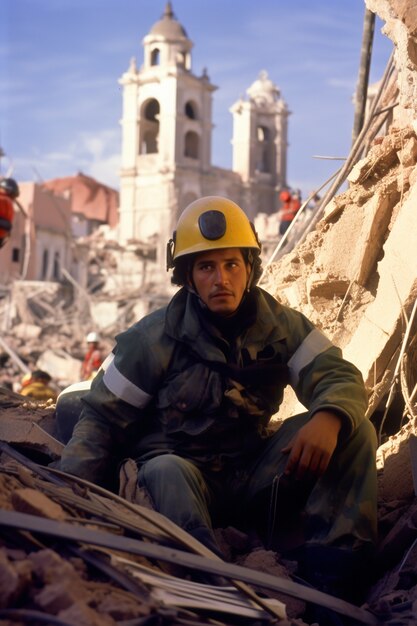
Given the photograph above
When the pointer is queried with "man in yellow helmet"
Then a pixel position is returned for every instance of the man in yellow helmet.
(190, 391)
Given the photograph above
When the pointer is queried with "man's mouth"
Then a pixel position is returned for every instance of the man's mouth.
(221, 294)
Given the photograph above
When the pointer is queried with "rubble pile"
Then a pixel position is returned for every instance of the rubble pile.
(45, 323)
(81, 555)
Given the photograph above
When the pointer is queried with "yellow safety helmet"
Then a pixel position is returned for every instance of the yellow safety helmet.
(211, 223)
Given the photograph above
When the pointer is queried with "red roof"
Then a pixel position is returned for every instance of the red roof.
(88, 197)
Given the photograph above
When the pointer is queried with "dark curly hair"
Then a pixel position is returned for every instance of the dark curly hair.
(184, 265)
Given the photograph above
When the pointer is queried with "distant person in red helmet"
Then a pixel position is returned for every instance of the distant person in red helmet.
(290, 204)
(9, 191)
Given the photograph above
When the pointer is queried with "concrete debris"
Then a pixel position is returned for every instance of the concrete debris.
(354, 275)
(45, 324)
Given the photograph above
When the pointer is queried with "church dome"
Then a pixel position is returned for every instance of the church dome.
(168, 26)
(263, 89)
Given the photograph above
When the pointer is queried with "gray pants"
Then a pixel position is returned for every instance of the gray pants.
(339, 508)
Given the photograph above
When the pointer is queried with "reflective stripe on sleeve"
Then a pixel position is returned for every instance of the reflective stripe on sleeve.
(109, 359)
(315, 343)
(123, 388)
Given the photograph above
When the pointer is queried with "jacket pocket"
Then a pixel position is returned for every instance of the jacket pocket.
(190, 400)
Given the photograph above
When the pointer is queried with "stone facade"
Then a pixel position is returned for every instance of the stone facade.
(166, 140)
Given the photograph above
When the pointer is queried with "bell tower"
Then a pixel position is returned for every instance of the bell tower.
(166, 134)
(260, 131)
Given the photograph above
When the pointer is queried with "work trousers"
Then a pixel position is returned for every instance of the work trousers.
(339, 508)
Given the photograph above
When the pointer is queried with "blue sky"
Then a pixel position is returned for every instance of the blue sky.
(60, 61)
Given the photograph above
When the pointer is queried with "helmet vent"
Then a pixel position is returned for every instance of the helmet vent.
(212, 224)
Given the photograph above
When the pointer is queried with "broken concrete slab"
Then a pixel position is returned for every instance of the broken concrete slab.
(104, 313)
(63, 368)
(397, 288)
(27, 331)
(31, 425)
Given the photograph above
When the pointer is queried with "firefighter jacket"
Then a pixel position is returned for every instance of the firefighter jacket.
(176, 384)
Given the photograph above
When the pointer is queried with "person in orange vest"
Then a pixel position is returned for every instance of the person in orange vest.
(289, 207)
(93, 358)
(9, 191)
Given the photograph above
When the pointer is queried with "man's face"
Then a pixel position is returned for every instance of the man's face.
(220, 277)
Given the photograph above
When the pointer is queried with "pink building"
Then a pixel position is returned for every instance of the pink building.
(92, 203)
(53, 216)
(40, 242)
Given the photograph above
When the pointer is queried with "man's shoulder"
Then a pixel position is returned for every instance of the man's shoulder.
(149, 329)
(153, 319)
(267, 301)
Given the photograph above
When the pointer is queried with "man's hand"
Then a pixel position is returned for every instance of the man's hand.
(311, 449)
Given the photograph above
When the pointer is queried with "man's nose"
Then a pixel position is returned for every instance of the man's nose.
(220, 276)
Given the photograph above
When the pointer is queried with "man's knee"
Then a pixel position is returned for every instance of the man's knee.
(169, 469)
(163, 464)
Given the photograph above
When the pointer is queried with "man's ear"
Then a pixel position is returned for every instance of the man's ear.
(249, 276)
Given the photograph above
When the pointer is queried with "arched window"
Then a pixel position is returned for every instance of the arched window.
(191, 145)
(155, 57)
(264, 147)
(150, 143)
(181, 58)
(152, 110)
(263, 133)
(149, 128)
(190, 110)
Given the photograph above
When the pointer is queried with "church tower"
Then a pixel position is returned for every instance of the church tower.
(260, 131)
(166, 134)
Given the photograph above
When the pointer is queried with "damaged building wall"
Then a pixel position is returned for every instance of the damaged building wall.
(355, 275)
(400, 17)
(40, 244)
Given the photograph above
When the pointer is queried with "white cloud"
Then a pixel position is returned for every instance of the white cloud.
(94, 154)
(102, 154)
(106, 170)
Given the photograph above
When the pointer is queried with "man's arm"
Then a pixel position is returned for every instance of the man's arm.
(333, 391)
(117, 399)
(90, 450)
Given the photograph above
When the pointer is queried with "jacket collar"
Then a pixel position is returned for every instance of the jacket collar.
(182, 322)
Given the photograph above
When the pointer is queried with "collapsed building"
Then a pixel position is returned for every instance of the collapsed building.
(354, 273)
